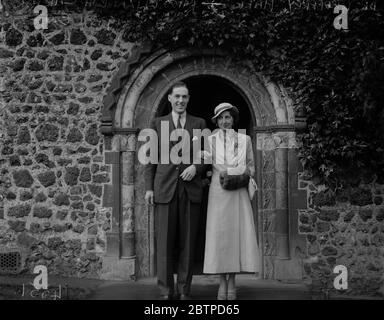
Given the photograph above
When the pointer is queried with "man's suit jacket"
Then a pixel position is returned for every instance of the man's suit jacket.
(164, 178)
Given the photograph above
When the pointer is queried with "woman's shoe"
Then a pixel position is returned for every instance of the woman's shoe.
(221, 296)
(231, 295)
(222, 293)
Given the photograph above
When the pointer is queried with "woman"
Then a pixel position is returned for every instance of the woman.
(231, 245)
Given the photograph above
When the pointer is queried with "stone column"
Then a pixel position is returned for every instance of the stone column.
(120, 260)
(282, 212)
(266, 202)
(128, 147)
(273, 148)
(111, 198)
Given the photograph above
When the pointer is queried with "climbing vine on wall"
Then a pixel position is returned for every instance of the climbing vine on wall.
(336, 77)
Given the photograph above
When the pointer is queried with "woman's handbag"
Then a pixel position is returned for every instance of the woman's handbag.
(234, 182)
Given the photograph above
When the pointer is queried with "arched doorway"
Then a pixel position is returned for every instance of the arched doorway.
(266, 113)
(206, 92)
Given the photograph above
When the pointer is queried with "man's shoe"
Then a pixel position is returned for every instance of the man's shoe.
(185, 297)
(176, 296)
(166, 297)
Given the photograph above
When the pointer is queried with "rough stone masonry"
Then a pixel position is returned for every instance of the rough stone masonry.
(52, 160)
(345, 228)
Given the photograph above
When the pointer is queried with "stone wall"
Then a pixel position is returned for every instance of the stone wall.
(52, 155)
(345, 228)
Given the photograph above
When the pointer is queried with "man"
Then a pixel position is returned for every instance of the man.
(176, 191)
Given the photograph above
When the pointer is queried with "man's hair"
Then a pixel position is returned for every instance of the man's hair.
(179, 84)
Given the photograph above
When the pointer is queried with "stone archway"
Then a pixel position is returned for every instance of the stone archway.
(130, 108)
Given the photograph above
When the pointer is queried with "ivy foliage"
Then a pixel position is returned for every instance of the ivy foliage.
(335, 77)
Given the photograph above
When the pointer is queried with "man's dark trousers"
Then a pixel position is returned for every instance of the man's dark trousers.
(176, 229)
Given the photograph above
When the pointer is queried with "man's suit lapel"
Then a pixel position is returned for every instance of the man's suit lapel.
(189, 125)
(171, 124)
(171, 128)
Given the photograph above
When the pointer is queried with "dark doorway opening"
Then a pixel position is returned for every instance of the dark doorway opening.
(206, 92)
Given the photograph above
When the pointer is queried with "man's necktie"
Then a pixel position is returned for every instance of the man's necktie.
(180, 138)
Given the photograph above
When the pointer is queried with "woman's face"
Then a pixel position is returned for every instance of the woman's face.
(225, 120)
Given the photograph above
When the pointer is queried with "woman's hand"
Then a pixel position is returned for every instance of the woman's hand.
(223, 173)
(205, 155)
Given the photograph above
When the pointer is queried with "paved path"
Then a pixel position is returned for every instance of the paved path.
(203, 288)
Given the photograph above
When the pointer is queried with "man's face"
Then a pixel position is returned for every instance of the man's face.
(179, 99)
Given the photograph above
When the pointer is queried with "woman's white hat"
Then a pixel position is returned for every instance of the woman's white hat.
(223, 107)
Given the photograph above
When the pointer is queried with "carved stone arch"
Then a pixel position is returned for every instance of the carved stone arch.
(138, 70)
(133, 99)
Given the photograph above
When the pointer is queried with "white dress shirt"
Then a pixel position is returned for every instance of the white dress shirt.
(183, 119)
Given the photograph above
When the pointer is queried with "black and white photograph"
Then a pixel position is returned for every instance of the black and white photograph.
(170, 150)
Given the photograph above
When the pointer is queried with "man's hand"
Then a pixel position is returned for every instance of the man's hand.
(189, 173)
(149, 197)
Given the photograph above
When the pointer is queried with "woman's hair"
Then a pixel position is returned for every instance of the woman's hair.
(235, 117)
